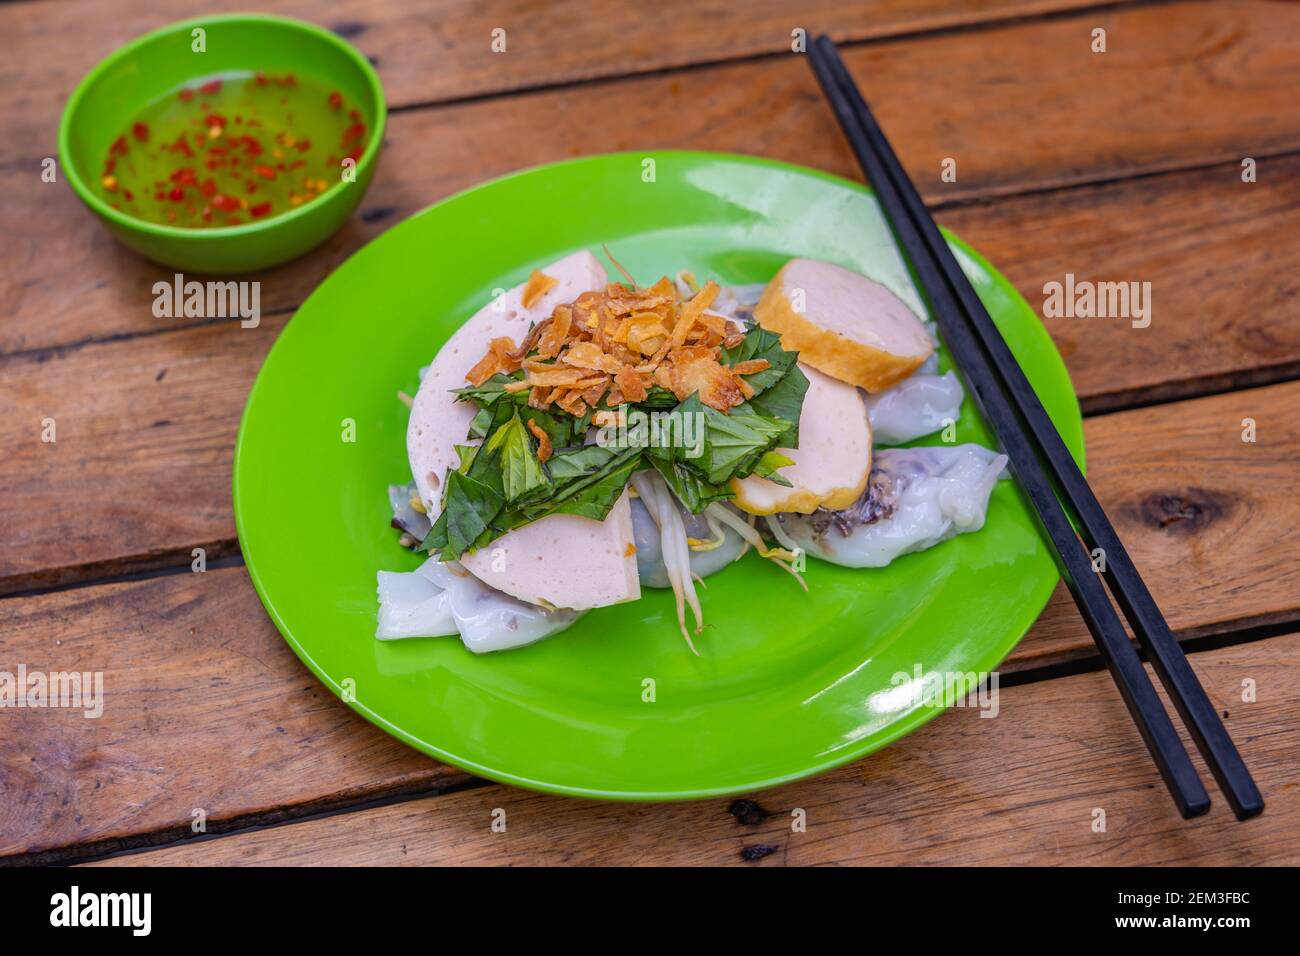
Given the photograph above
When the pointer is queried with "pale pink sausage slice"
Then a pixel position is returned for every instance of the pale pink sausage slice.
(832, 462)
(561, 560)
(846, 325)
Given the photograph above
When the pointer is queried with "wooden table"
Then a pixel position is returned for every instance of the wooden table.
(1124, 165)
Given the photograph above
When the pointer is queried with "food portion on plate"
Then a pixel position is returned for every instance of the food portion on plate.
(579, 439)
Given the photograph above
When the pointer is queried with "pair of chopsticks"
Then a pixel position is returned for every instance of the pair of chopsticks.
(1044, 468)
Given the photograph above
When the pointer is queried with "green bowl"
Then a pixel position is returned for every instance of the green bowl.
(161, 62)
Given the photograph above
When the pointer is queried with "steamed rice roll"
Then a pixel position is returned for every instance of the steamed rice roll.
(915, 498)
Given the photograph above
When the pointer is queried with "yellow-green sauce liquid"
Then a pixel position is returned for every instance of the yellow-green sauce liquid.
(232, 149)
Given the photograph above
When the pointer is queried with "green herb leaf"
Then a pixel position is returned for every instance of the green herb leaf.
(465, 455)
(578, 463)
(522, 475)
(784, 401)
(492, 391)
(593, 479)
(767, 467)
(677, 435)
(469, 507)
(733, 443)
(687, 484)
(481, 423)
(759, 343)
(657, 398)
(559, 426)
(597, 497)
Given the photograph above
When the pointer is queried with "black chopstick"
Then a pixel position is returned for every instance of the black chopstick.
(988, 391)
(1148, 623)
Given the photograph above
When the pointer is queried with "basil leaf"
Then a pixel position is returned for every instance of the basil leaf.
(465, 455)
(595, 500)
(767, 467)
(522, 475)
(470, 507)
(690, 488)
(558, 427)
(759, 343)
(678, 436)
(566, 466)
(784, 401)
(657, 398)
(733, 443)
(488, 420)
(480, 423)
(492, 391)
(589, 491)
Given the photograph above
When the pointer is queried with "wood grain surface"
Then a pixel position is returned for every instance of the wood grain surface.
(206, 708)
(431, 52)
(1122, 166)
(149, 424)
(1025, 787)
(1224, 300)
(1096, 125)
(203, 687)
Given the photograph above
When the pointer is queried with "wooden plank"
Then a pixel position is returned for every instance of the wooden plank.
(139, 471)
(1025, 787)
(205, 708)
(1223, 294)
(68, 282)
(1209, 520)
(148, 424)
(442, 51)
(1195, 506)
(127, 446)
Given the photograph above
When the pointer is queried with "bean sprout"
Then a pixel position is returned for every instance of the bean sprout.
(654, 492)
(778, 556)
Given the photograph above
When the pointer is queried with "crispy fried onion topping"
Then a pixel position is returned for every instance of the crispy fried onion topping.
(616, 344)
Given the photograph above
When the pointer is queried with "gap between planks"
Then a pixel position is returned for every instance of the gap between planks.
(263, 820)
(63, 336)
(1196, 386)
(1105, 403)
(225, 552)
(993, 23)
(290, 816)
(343, 805)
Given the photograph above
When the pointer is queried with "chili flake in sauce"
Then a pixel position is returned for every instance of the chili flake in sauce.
(230, 149)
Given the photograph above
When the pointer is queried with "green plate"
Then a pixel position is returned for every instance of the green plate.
(788, 684)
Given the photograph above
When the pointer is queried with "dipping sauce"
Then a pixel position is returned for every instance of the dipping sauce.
(232, 149)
